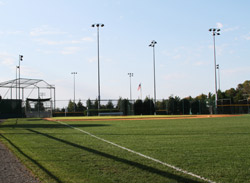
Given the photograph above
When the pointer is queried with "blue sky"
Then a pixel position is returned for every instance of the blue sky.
(56, 38)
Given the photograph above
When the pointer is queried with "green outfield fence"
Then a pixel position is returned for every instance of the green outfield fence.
(14, 108)
(147, 107)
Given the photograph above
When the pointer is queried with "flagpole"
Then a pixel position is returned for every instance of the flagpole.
(140, 88)
(141, 93)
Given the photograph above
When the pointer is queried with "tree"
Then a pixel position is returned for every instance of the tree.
(89, 104)
(119, 103)
(27, 105)
(80, 107)
(71, 106)
(110, 105)
(138, 107)
(161, 106)
(246, 87)
(96, 104)
(203, 102)
(148, 106)
(174, 105)
(186, 105)
(124, 106)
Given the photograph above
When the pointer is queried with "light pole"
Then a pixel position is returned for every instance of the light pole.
(152, 44)
(20, 59)
(74, 73)
(130, 75)
(98, 58)
(218, 67)
(17, 68)
(215, 32)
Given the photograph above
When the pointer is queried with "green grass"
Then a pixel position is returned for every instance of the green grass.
(215, 148)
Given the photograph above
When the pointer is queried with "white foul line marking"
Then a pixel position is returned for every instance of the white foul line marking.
(142, 155)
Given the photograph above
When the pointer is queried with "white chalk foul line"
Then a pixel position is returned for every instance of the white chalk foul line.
(142, 155)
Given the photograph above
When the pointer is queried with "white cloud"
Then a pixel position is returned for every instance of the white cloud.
(177, 53)
(70, 50)
(89, 39)
(31, 72)
(219, 25)
(200, 63)
(45, 30)
(93, 59)
(49, 42)
(106, 60)
(176, 57)
(16, 32)
(1, 3)
(6, 59)
(174, 76)
(219, 48)
(247, 37)
(231, 29)
(44, 51)
(240, 70)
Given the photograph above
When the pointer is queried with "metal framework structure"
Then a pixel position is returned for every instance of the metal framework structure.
(18, 86)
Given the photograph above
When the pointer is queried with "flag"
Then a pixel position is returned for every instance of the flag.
(139, 87)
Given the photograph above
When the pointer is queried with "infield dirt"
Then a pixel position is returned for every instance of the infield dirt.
(139, 118)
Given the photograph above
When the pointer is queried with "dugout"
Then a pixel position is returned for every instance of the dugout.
(26, 98)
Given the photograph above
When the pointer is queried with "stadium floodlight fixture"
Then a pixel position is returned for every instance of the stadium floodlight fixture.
(98, 58)
(215, 32)
(74, 73)
(152, 44)
(130, 75)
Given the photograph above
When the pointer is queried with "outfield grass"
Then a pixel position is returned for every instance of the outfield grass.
(215, 148)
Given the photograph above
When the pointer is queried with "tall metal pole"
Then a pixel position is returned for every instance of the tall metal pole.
(19, 79)
(218, 67)
(215, 32)
(98, 58)
(98, 55)
(17, 67)
(215, 76)
(154, 76)
(74, 73)
(153, 45)
(19, 90)
(130, 75)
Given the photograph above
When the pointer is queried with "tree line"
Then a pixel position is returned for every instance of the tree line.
(202, 104)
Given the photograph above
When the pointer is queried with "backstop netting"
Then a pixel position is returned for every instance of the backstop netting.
(41, 108)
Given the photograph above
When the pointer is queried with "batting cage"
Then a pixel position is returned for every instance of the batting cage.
(27, 98)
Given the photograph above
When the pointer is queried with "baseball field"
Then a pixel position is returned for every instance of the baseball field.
(132, 149)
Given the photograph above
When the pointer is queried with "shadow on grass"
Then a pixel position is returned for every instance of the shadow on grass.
(32, 160)
(35, 119)
(128, 162)
(49, 125)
